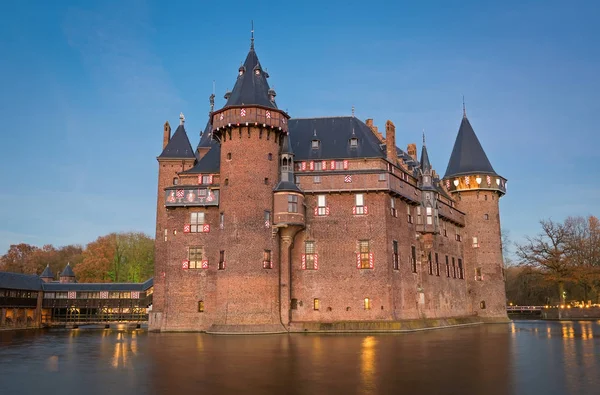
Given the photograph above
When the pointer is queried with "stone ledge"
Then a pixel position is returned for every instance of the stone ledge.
(266, 329)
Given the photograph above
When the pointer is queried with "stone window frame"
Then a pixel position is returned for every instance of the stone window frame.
(197, 220)
(195, 257)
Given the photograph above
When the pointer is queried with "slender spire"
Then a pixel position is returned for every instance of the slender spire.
(211, 99)
(423, 137)
(352, 111)
(252, 37)
(464, 108)
(181, 119)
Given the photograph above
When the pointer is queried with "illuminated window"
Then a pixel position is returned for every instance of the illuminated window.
(461, 273)
(200, 306)
(321, 205)
(447, 267)
(292, 203)
(437, 265)
(316, 304)
(363, 246)
(196, 222)
(195, 256)
(395, 256)
(413, 258)
(359, 200)
(267, 262)
(367, 304)
(221, 260)
(482, 305)
(310, 255)
(475, 242)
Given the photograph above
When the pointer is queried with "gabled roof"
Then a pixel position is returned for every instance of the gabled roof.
(468, 156)
(251, 88)
(47, 273)
(67, 272)
(179, 146)
(334, 134)
(20, 281)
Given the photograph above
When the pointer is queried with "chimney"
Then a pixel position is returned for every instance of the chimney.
(166, 134)
(412, 151)
(369, 122)
(390, 142)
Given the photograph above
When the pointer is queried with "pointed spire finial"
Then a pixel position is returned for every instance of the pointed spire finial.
(423, 137)
(211, 99)
(352, 111)
(464, 108)
(181, 118)
(252, 36)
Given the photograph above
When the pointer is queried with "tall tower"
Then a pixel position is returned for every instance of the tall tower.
(471, 179)
(249, 129)
(177, 156)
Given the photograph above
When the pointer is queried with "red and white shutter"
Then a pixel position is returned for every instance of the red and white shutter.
(303, 166)
(316, 261)
(72, 295)
(312, 166)
(332, 163)
(358, 265)
(348, 178)
(200, 179)
(303, 261)
(365, 210)
(205, 264)
(186, 228)
(206, 228)
(371, 261)
(316, 211)
(345, 165)
(324, 165)
(353, 210)
(185, 264)
(135, 295)
(210, 179)
(104, 294)
(327, 210)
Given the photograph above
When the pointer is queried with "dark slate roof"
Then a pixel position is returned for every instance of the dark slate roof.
(468, 156)
(68, 272)
(287, 186)
(286, 145)
(206, 139)
(179, 146)
(20, 281)
(90, 287)
(210, 163)
(425, 164)
(251, 88)
(334, 134)
(47, 273)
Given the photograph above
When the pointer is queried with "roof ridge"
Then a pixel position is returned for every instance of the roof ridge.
(325, 117)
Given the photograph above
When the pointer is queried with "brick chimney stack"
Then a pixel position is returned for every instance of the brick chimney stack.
(412, 151)
(166, 134)
(390, 142)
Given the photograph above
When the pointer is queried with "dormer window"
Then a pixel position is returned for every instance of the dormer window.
(315, 144)
(257, 70)
(241, 70)
(353, 142)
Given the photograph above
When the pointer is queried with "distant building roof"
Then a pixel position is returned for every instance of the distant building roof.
(468, 156)
(68, 271)
(27, 282)
(179, 146)
(47, 273)
(333, 135)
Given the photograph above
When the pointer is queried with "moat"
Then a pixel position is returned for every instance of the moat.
(524, 357)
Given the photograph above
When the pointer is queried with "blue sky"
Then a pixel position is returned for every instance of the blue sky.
(87, 86)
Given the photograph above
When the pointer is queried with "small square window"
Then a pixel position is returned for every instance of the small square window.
(200, 306)
(382, 176)
(175, 181)
(486, 216)
(314, 144)
(316, 304)
(270, 156)
(317, 179)
(292, 203)
(229, 156)
(353, 142)
(266, 181)
(318, 165)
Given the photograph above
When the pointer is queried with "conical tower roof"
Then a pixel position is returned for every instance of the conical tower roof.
(425, 164)
(179, 146)
(68, 271)
(47, 273)
(468, 156)
(251, 87)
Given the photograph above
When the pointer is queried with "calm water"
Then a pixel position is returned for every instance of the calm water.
(526, 357)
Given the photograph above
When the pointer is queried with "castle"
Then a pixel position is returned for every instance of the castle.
(275, 224)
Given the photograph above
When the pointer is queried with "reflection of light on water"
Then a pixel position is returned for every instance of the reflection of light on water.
(567, 330)
(52, 364)
(367, 362)
(121, 352)
(549, 332)
(199, 343)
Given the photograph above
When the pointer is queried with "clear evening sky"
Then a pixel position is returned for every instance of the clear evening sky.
(86, 87)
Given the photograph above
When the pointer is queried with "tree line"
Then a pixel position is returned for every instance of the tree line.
(116, 257)
(561, 264)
